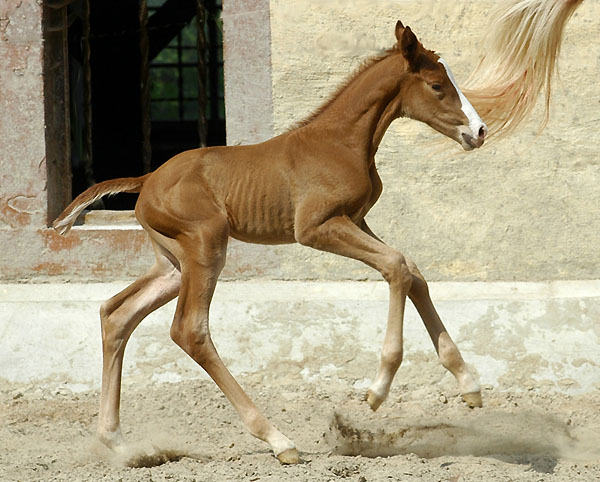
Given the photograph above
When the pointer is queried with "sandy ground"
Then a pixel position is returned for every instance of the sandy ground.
(188, 432)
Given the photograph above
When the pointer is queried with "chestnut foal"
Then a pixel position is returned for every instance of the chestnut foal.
(312, 185)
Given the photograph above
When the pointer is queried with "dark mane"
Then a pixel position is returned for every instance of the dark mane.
(365, 64)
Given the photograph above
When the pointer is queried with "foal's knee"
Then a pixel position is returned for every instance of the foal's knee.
(419, 286)
(397, 271)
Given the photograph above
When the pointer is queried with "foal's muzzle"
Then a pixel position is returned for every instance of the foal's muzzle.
(470, 140)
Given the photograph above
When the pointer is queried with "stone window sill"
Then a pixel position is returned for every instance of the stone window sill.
(104, 219)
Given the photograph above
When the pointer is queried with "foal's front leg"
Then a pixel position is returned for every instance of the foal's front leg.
(341, 236)
(391, 354)
(447, 351)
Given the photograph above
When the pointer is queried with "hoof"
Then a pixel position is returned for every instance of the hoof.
(374, 400)
(473, 399)
(289, 457)
(112, 440)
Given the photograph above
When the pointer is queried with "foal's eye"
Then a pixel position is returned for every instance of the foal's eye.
(436, 87)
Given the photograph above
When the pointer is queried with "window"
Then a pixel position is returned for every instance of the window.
(145, 83)
(186, 85)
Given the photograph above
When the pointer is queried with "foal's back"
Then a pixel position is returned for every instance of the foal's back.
(249, 186)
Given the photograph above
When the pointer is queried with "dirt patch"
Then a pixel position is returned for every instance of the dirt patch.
(188, 431)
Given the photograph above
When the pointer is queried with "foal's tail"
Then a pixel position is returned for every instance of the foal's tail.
(125, 184)
(520, 61)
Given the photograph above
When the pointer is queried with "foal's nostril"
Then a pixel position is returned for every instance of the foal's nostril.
(482, 132)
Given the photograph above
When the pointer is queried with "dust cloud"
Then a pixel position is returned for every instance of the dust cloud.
(488, 433)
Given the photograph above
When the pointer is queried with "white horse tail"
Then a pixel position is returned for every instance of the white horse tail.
(523, 44)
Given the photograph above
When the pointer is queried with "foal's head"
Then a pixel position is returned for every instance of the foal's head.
(430, 93)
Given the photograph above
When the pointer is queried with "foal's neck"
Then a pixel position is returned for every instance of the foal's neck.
(361, 112)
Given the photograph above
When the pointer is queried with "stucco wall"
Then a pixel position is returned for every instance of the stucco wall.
(526, 208)
(22, 163)
(514, 336)
(31, 177)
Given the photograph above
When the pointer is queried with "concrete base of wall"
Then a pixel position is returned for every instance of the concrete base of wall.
(514, 335)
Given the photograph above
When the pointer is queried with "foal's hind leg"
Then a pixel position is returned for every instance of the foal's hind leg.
(447, 351)
(120, 315)
(202, 257)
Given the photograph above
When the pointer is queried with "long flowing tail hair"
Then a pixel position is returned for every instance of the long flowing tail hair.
(521, 49)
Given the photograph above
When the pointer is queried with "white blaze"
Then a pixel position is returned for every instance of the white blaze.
(475, 122)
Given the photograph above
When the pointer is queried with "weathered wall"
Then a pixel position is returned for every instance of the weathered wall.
(247, 50)
(22, 163)
(31, 175)
(525, 208)
(514, 336)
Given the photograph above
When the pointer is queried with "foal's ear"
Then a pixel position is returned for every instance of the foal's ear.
(408, 46)
(399, 30)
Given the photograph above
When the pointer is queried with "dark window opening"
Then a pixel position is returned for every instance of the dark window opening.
(145, 83)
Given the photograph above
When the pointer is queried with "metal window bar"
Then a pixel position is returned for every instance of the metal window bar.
(206, 17)
(202, 46)
(180, 98)
(145, 88)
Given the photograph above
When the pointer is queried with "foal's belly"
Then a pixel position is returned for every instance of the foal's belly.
(264, 237)
(261, 216)
(261, 233)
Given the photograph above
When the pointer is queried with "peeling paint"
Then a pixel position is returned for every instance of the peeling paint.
(23, 204)
(13, 215)
(100, 269)
(51, 269)
(55, 242)
(123, 240)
